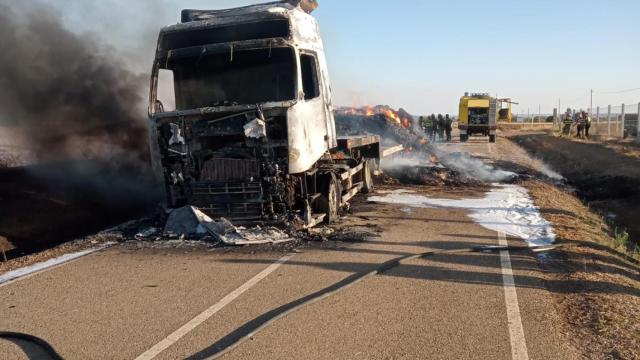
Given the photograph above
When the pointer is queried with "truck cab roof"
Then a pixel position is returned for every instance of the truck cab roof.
(282, 21)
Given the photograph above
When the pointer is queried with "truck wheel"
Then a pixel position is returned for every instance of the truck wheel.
(492, 138)
(367, 179)
(329, 202)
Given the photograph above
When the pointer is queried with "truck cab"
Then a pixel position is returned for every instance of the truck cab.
(240, 113)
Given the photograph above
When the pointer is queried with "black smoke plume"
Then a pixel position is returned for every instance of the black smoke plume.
(67, 92)
(81, 114)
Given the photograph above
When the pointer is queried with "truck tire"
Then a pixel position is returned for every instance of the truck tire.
(492, 139)
(329, 202)
(367, 178)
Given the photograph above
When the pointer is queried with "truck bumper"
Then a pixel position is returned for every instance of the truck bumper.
(478, 129)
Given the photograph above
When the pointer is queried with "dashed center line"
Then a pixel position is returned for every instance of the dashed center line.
(516, 331)
(205, 315)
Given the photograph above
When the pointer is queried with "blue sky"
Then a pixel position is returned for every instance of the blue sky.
(423, 55)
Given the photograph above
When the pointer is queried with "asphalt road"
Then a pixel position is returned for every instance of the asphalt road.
(128, 302)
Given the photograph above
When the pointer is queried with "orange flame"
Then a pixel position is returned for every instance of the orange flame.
(393, 116)
(390, 114)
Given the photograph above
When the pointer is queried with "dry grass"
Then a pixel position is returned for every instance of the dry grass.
(596, 287)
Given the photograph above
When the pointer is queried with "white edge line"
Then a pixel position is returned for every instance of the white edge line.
(205, 315)
(38, 268)
(516, 331)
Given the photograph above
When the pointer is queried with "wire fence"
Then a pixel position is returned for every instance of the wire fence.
(607, 122)
(616, 121)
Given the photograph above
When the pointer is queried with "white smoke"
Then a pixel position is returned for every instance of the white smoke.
(475, 168)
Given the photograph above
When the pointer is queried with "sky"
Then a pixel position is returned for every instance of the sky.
(423, 55)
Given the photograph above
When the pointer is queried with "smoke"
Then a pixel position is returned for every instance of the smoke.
(475, 168)
(547, 171)
(68, 93)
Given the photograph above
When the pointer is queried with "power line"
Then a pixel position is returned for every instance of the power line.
(617, 92)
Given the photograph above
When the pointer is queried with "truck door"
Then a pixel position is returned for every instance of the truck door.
(308, 131)
(314, 82)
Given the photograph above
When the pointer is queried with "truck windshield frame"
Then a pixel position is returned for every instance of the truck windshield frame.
(241, 77)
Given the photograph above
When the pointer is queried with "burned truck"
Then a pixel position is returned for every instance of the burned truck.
(247, 132)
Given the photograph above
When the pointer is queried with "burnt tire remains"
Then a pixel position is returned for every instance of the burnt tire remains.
(367, 178)
(329, 202)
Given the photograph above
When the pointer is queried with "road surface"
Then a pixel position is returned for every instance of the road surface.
(147, 303)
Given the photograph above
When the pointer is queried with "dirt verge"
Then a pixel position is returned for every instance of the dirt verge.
(597, 289)
(605, 178)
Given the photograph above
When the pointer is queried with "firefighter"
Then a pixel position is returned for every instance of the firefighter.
(587, 124)
(448, 126)
(441, 127)
(427, 125)
(580, 123)
(434, 128)
(568, 123)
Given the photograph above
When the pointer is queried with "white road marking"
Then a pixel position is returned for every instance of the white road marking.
(205, 315)
(516, 331)
(35, 269)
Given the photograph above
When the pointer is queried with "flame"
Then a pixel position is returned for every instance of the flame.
(393, 116)
(387, 112)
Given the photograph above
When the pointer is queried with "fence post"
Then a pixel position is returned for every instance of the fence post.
(609, 122)
(622, 123)
(638, 125)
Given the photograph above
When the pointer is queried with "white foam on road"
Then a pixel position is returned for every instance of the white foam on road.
(506, 208)
(46, 265)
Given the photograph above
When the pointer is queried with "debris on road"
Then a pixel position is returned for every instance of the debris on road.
(147, 233)
(190, 222)
(430, 175)
(187, 221)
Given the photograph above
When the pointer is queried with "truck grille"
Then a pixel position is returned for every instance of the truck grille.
(221, 170)
(239, 202)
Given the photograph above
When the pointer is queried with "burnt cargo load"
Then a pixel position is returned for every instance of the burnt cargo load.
(252, 135)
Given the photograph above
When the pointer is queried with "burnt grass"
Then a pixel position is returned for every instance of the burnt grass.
(606, 180)
(48, 205)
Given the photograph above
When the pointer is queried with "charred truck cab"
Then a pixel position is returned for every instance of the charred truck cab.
(252, 137)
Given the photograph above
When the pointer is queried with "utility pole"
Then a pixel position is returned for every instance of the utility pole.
(560, 116)
(622, 121)
(591, 105)
(609, 121)
(539, 112)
